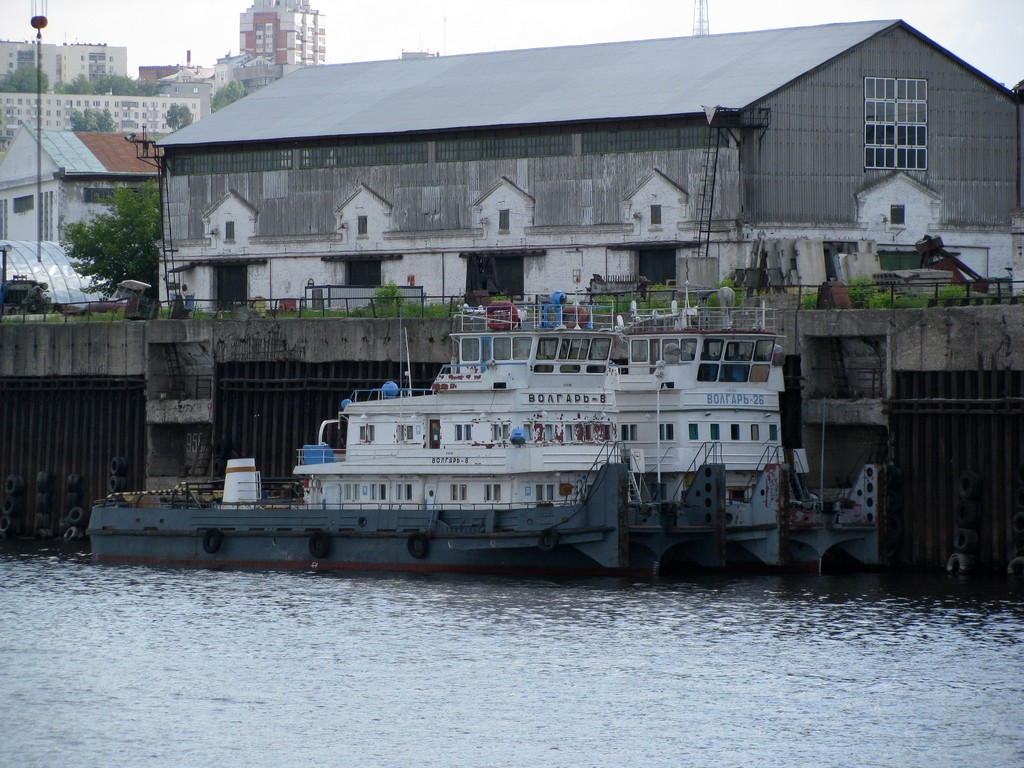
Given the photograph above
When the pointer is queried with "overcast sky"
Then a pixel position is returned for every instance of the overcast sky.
(987, 34)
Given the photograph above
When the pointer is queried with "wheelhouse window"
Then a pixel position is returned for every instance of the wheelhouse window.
(895, 123)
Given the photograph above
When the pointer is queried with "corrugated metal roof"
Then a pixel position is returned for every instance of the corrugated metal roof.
(542, 85)
(115, 153)
(68, 152)
(93, 152)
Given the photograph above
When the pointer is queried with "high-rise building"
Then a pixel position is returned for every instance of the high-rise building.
(64, 63)
(284, 32)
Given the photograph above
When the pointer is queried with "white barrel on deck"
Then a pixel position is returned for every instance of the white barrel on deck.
(241, 481)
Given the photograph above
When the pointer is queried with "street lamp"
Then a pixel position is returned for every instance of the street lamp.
(38, 24)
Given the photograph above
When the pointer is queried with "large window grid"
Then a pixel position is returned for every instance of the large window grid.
(895, 123)
(644, 139)
(501, 147)
(232, 162)
(363, 154)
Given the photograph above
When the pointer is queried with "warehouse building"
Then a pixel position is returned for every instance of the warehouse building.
(792, 155)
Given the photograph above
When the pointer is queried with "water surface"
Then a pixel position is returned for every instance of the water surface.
(132, 666)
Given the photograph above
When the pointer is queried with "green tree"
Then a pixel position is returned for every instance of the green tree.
(123, 244)
(178, 116)
(80, 84)
(23, 80)
(118, 85)
(92, 120)
(229, 94)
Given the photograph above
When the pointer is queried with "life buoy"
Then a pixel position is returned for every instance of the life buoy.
(418, 545)
(502, 316)
(573, 316)
(319, 544)
(547, 540)
(212, 541)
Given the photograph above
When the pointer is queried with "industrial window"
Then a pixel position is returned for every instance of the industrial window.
(895, 123)
(362, 225)
(773, 433)
(458, 491)
(694, 432)
(24, 204)
(755, 432)
(499, 147)
(655, 215)
(503, 219)
(364, 154)
(232, 162)
(463, 432)
(734, 431)
(405, 433)
(97, 194)
(403, 492)
(492, 492)
(628, 431)
(545, 492)
(715, 432)
(366, 433)
(897, 214)
(229, 230)
(666, 431)
(645, 139)
(3, 219)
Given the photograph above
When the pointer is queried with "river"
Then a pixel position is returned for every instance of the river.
(132, 666)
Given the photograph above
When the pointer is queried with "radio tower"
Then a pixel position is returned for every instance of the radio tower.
(700, 18)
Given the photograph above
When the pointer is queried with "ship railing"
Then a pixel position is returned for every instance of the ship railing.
(702, 318)
(503, 316)
(710, 452)
(386, 393)
(770, 456)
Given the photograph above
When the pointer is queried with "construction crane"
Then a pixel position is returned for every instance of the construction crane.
(700, 18)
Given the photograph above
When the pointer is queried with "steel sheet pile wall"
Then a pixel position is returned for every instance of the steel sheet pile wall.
(71, 425)
(945, 427)
(268, 409)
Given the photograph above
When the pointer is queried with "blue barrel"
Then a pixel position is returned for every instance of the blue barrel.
(317, 454)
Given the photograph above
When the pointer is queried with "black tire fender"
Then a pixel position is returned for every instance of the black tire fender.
(547, 540)
(959, 563)
(319, 544)
(965, 541)
(77, 516)
(970, 485)
(418, 545)
(968, 513)
(212, 541)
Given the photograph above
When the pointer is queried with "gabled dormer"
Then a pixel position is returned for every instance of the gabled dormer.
(504, 211)
(898, 208)
(230, 223)
(364, 216)
(656, 205)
